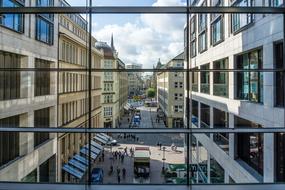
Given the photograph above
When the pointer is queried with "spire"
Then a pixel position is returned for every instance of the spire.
(112, 42)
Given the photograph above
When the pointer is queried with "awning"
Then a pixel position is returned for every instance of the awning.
(86, 152)
(81, 159)
(102, 137)
(107, 136)
(77, 164)
(96, 145)
(93, 149)
(100, 140)
(69, 169)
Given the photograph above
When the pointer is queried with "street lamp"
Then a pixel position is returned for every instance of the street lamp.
(163, 160)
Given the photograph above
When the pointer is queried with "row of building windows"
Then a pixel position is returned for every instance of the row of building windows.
(42, 78)
(78, 31)
(72, 110)
(178, 84)
(178, 108)
(249, 84)
(75, 82)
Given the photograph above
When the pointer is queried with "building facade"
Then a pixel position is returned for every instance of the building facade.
(170, 92)
(112, 101)
(73, 97)
(237, 99)
(123, 88)
(134, 80)
(28, 98)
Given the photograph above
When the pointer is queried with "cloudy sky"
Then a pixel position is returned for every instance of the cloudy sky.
(140, 38)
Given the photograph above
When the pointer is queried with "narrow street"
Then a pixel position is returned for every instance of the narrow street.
(148, 120)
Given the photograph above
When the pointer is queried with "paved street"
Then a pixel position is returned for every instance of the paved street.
(148, 120)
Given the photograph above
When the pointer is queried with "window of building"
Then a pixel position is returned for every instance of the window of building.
(205, 115)
(250, 145)
(279, 76)
(250, 84)
(12, 21)
(175, 84)
(221, 84)
(108, 98)
(277, 3)
(9, 142)
(280, 157)
(217, 30)
(221, 120)
(205, 79)
(202, 31)
(108, 111)
(178, 96)
(180, 84)
(41, 120)
(108, 87)
(10, 81)
(44, 23)
(240, 21)
(42, 78)
(217, 172)
(178, 108)
(193, 36)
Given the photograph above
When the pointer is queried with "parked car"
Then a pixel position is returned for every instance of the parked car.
(112, 142)
(97, 176)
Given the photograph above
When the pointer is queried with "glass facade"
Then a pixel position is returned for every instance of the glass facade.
(73, 112)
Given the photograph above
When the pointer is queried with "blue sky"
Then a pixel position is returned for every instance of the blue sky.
(140, 38)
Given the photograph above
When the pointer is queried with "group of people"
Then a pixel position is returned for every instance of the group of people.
(118, 155)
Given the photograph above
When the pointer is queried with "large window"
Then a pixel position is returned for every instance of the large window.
(41, 120)
(193, 36)
(240, 21)
(42, 79)
(205, 79)
(195, 82)
(205, 115)
(250, 145)
(221, 86)
(44, 24)
(250, 83)
(279, 76)
(280, 157)
(9, 142)
(10, 86)
(202, 31)
(217, 24)
(12, 21)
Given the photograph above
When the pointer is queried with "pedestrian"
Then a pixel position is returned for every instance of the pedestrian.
(103, 155)
(118, 171)
(138, 139)
(119, 179)
(160, 146)
(122, 158)
(128, 120)
(124, 173)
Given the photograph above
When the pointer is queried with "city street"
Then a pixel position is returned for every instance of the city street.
(148, 120)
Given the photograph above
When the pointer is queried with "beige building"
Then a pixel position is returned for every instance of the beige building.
(123, 87)
(73, 97)
(28, 98)
(170, 92)
(111, 101)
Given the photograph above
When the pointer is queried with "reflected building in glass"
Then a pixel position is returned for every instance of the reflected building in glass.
(237, 99)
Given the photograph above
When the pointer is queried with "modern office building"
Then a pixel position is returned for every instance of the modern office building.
(170, 92)
(247, 99)
(73, 97)
(135, 80)
(28, 98)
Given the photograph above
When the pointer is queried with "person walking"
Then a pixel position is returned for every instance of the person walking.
(124, 173)
(119, 179)
(103, 155)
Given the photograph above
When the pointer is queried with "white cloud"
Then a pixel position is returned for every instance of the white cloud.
(148, 37)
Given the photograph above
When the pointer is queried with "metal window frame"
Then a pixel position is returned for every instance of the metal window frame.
(187, 10)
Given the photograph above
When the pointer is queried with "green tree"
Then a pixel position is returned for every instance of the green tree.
(150, 93)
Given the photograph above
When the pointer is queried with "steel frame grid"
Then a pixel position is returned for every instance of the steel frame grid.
(145, 10)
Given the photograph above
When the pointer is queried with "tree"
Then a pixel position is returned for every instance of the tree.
(150, 93)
